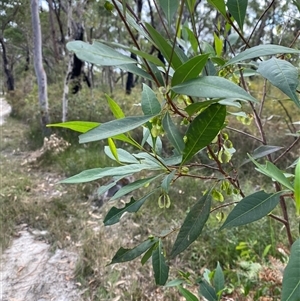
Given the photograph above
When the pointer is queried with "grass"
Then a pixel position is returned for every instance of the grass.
(29, 194)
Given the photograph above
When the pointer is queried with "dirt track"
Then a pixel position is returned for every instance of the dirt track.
(28, 271)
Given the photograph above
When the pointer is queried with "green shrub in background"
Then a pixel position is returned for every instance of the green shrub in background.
(199, 90)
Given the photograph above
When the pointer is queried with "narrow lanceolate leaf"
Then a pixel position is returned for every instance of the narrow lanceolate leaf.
(77, 126)
(252, 208)
(259, 51)
(99, 173)
(203, 129)
(191, 5)
(197, 106)
(113, 128)
(115, 108)
(297, 187)
(291, 276)
(219, 5)
(150, 104)
(98, 54)
(273, 172)
(173, 134)
(134, 186)
(187, 294)
(282, 75)
(207, 291)
(124, 255)
(165, 184)
(219, 281)
(114, 214)
(169, 8)
(161, 269)
(123, 155)
(190, 69)
(263, 151)
(164, 47)
(192, 225)
(113, 148)
(212, 87)
(238, 8)
(135, 70)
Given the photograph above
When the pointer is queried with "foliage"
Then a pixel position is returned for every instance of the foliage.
(198, 91)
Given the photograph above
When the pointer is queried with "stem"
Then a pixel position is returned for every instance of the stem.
(264, 13)
(287, 150)
(244, 133)
(263, 98)
(135, 42)
(222, 206)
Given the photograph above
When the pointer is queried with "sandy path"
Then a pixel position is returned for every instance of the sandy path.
(28, 271)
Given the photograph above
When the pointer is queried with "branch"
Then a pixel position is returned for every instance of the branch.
(287, 150)
(244, 133)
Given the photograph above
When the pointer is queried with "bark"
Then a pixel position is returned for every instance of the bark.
(53, 34)
(10, 82)
(38, 66)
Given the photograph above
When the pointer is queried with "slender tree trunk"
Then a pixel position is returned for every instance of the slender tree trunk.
(10, 82)
(38, 66)
(70, 66)
(53, 34)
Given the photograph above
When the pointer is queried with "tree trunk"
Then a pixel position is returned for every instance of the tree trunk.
(53, 34)
(10, 82)
(38, 66)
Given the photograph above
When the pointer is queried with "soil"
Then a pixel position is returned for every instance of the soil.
(29, 271)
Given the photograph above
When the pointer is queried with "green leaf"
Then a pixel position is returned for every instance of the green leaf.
(165, 185)
(273, 172)
(133, 186)
(157, 74)
(150, 104)
(219, 281)
(261, 50)
(187, 294)
(297, 187)
(252, 208)
(203, 129)
(191, 36)
(113, 148)
(115, 108)
(190, 69)
(169, 8)
(164, 47)
(282, 75)
(173, 134)
(77, 126)
(197, 106)
(147, 255)
(98, 54)
(136, 70)
(114, 214)
(207, 291)
(174, 282)
(192, 225)
(124, 255)
(142, 54)
(218, 44)
(262, 151)
(237, 9)
(219, 5)
(99, 173)
(161, 269)
(291, 276)
(123, 155)
(113, 128)
(213, 87)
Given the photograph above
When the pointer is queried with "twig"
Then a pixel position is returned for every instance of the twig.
(287, 150)
(222, 206)
(263, 98)
(244, 133)
(264, 13)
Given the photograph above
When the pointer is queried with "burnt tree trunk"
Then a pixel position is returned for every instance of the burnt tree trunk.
(10, 82)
